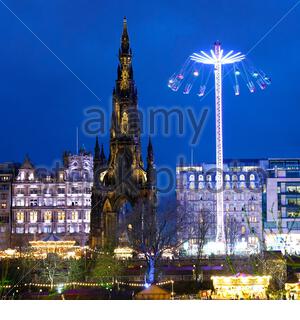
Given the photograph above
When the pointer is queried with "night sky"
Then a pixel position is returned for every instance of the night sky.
(42, 102)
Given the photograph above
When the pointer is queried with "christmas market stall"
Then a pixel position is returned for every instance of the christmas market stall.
(53, 244)
(240, 286)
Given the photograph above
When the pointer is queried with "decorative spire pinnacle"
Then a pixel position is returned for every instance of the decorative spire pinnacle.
(125, 38)
(150, 156)
(27, 163)
(102, 156)
(97, 149)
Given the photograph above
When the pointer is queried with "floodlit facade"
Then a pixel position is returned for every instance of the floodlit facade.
(7, 172)
(282, 216)
(57, 202)
(243, 186)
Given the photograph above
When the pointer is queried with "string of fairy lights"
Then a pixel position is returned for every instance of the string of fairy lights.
(84, 284)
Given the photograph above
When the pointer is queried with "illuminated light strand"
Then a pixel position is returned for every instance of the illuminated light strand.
(88, 284)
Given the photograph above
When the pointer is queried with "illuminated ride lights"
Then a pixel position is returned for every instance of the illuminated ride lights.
(195, 68)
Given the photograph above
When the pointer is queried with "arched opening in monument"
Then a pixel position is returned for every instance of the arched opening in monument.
(124, 214)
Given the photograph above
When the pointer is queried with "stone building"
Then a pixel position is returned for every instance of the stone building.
(243, 193)
(282, 214)
(7, 173)
(56, 201)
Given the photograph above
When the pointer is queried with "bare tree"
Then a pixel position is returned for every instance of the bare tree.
(52, 269)
(232, 230)
(200, 227)
(152, 234)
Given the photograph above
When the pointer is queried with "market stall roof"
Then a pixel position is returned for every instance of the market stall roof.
(153, 293)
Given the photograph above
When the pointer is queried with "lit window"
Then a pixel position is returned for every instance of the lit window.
(252, 240)
(252, 177)
(192, 177)
(3, 205)
(61, 216)
(87, 216)
(32, 229)
(200, 185)
(243, 230)
(47, 216)
(200, 178)
(33, 216)
(227, 177)
(20, 230)
(242, 177)
(74, 215)
(20, 217)
(31, 176)
(208, 178)
(192, 185)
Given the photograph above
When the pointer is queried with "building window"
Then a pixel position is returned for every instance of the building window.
(208, 178)
(3, 205)
(32, 229)
(252, 219)
(74, 216)
(87, 216)
(252, 177)
(33, 202)
(33, 216)
(61, 190)
(61, 216)
(252, 240)
(20, 217)
(192, 177)
(20, 202)
(200, 178)
(19, 230)
(227, 177)
(47, 216)
(242, 177)
(243, 230)
(47, 229)
(192, 185)
(60, 202)
(60, 229)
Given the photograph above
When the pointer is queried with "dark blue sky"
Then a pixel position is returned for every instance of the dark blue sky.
(42, 102)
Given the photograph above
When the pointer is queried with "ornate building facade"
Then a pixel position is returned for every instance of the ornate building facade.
(58, 202)
(243, 198)
(121, 181)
